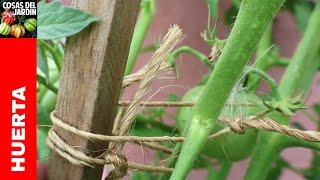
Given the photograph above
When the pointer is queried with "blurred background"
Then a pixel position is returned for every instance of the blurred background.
(191, 16)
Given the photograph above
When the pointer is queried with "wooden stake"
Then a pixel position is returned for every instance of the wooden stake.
(91, 80)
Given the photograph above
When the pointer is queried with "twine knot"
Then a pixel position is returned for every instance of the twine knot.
(236, 127)
(119, 163)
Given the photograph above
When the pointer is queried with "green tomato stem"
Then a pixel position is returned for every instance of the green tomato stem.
(221, 173)
(201, 129)
(271, 82)
(49, 85)
(55, 58)
(253, 18)
(301, 69)
(269, 145)
(145, 19)
(148, 120)
(266, 152)
(294, 142)
(281, 62)
(224, 170)
(149, 48)
(185, 49)
(173, 157)
(304, 60)
(58, 48)
(264, 62)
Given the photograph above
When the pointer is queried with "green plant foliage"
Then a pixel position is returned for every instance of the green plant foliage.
(43, 116)
(42, 148)
(213, 4)
(316, 108)
(42, 60)
(313, 173)
(231, 15)
(143, 175)
(57, 21)
(277, 168)
(255, 19)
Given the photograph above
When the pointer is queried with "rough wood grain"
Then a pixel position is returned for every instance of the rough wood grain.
(91, 80)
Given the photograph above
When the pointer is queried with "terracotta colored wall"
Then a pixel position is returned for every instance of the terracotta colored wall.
(191, 16)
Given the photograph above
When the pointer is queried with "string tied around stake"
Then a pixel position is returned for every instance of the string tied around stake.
(119, 163)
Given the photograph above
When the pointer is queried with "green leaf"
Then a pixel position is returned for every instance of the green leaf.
(42, 148)
(316, 108)
(43, 116)
(42, 60)
(142, 175)
(173, 98)
(230, 15)
(222, 173)
(147, 130)
(313, 173)
(276, 170)
(212, 173)
(213, 4)
(205, 79)
(57, 21)
(147, 126)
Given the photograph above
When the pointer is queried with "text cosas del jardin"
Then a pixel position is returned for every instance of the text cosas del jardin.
(21, 8)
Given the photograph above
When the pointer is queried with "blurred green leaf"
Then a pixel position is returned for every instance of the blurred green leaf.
(212, 173)
(173, 98)
(42, 148)
(142, 176)
(147, 126)
(47, 83)
(52, 51)
(157, 112)
(313, 173)
(201, 163)
(316, 108)
(222, 173)
(277, 168)
(230, 15)
(57, 21)
(205, 79)
(213, 5)
(43, 116)
(42, 60)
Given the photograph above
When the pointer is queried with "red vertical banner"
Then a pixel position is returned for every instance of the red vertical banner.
(18, 108)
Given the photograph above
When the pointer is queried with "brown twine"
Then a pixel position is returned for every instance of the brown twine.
(98, 137)
(150, 145)
(237, 126)
(78, 158)
(110, 157)
(117, 120)
(180, 104)
(172, 38)
(137, 77)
